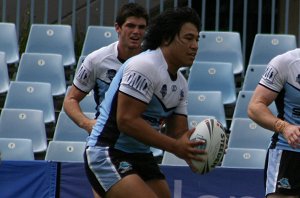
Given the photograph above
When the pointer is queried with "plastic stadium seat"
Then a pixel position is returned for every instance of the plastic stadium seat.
(173, 160)
(67, 130)
(207, 103)
(267, 46)
(213, 76)
(31, 95)
(65, 151)
(97, 37)
(244, 158)
(24, 123)
(87, 104)
(42, 67)
(241, 106)
(194, 120)
(16, 149)
(247, 134)
(4, 77)
(253, 76)
(9, 42)
(50, 38)
(221, 47)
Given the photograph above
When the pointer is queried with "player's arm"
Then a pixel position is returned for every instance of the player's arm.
(176, 125)
(73, 110)
(259, 112)
(130, 122)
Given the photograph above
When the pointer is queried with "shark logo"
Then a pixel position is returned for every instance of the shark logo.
(124, 167)
(284, 183)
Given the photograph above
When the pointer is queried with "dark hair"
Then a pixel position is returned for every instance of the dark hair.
(131, 9)
(167, 25)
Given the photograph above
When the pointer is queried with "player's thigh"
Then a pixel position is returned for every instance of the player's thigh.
(160, 187)
(130, 186)
(282, 196)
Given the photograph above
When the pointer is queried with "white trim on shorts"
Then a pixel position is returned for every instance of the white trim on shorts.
(273, 170)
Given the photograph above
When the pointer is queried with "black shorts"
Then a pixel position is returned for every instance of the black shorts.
(106, 166)
(282, 173)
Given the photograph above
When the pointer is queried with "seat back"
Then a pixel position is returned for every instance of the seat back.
(9, 42)
(97, 37)
(31, 95)
(67, 130)
(173, 160)
(244, 158)
(24, 123)
(65, 151)
(267, 46)
(42, 67)
(241, 106)
(218, 46)
(213, 76)
(247, 134)
(208, 103)
(253, 76)
(194, 120)
(4, 77)
(52, 38)
(16, 149)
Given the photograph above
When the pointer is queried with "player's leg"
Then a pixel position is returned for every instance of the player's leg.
(282, 174)
(160, 187)
(130, 186)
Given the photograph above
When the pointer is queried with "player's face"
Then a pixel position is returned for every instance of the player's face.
(131, 32)
(185, 45)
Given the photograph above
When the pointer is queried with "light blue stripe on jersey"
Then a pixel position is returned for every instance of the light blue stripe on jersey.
(102, 167)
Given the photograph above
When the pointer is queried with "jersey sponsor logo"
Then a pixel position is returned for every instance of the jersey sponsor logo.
(181, 95)
(138, 81)
(164, 90)
(174, 88)
(270, 74)
(296, 112)
(83, 75)
(110, 74)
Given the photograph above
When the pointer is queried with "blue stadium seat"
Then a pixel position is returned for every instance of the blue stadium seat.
(172, 160)
(24, 123)
(4, 77)
(65, 151)
(16, 149)
(194, 120)
(253, 76)
(9, 42)
(244, 158)
(43, 67)
(241, 106)
(247, 134)
(52, 38)
(207, 103)
(217, 46)
(213, 76)
(67, 130)
(97, 37)
(31, 95)
(267, 46)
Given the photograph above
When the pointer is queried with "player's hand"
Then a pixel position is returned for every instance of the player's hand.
(188, 150)
(292, 134)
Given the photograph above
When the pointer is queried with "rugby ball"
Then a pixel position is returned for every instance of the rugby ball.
(213, 133)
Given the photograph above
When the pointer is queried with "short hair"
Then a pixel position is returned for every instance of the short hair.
(167, 25)
(131, 9)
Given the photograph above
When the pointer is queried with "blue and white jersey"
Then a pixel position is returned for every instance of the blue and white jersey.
(144, 77)
(97, 71)
(283, 76)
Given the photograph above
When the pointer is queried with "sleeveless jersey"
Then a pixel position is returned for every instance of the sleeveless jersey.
(283, 76)
(144, 77)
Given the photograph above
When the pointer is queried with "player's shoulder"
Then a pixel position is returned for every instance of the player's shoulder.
(285, 59)
(102, 53)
